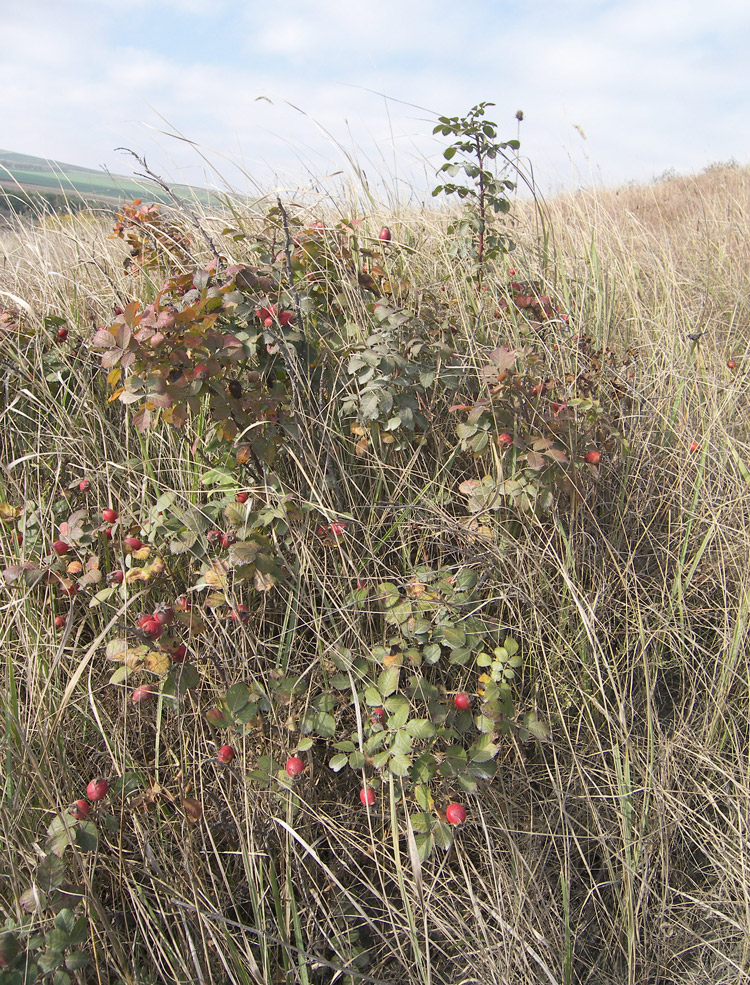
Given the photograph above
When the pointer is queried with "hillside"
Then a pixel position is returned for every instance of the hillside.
(40, 176)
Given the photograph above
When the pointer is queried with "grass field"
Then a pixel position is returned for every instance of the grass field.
(22, 171)
(606, 842)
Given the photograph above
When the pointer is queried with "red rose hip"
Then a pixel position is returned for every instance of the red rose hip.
(455, 814)
(225, 754)
(110, 515)
(462, 701)
(294, 766)
(367, 796)
(80, 809)
(97, 789)
(143, 693)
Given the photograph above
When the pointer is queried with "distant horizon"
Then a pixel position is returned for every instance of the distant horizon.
(134, 179)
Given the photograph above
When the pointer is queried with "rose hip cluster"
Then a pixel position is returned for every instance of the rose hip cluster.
(271, 314)
(96, 790)
(154, 623)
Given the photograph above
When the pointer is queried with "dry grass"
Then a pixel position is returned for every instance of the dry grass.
(616, 851)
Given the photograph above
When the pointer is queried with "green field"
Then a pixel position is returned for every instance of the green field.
(35, 174)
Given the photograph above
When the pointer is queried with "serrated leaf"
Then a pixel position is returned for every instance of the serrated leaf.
(87, 836)
(483, 771)
(420, 728)
(398, 709)
(388, 680)
(50, 960)
(425, 845)
(61, 833)
(380, 759)
(183, 541)
(373, 697)
(304, 744)
(467, 783)
(432, 652)
(399, 765)
(76, 960)
(454, 636)
(356, 760)
(443, 835)
(116, 650)
(485, 753)
(338, 762)
(50, 873)
(237, 697)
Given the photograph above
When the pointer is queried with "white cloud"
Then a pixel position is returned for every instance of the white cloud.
(653, 83)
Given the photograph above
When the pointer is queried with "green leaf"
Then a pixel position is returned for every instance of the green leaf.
(338, 762)
(432, 652)
(421, 822)
(443, 835)
(402, 743)
(50, 960)
(454, 636)
(373, 697)
(87, 836)
(398, 709)
(467, 783)
(425, 844)
(304, 744)
(400, 765)
(388, 681)
(50, 873)
(218, 477)
(380, 759)
(454, 761)
(422, 796)
(61, 833)
(483, 771)
(76, 960)
(465, 580)
(484, 724)
(485, 753)
(420, 728)
(237, 697)
(356, 760)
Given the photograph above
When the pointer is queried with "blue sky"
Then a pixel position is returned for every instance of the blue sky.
(612, 90)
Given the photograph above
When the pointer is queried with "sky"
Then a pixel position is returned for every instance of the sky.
(273, 94)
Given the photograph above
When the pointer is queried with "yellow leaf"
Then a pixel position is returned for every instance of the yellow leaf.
(116, 394)
(148, 571)
(157, 662)
(116, 650)
(360, 449)
(9, 513)
(113, 376)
